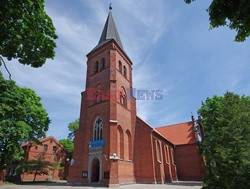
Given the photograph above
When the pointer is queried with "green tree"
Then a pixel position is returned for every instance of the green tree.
(27, 32)
(68, 145)
(226, 121)
(232, 13)
(37, 166)
(56, 166)
(22, 118)
(73, 126)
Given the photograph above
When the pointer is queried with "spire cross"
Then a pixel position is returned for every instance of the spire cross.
(110, 6)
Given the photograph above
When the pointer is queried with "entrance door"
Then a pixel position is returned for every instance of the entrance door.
(95, 170)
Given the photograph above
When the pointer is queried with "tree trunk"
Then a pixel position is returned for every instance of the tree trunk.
(35, 176)
(2, 176)
(53, 173)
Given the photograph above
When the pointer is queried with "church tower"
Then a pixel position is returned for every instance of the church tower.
(103, 150)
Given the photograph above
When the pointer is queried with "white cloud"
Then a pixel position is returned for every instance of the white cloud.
(142, 27)
(194, 58)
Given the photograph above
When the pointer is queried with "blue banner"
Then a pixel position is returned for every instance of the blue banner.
(96, 143)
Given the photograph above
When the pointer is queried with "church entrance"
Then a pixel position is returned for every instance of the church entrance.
(95, 164)
(95, 170)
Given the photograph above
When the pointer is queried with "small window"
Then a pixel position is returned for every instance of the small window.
(103, 63)
(99, 96)
(166, 154)
(172, 155)
(96, 66)
(51, 141)
(120, 66)
(72, 162)
(158, 151)
(36, 147)
(45, 147)
(123, 99)
(54, 148)
(125, 71)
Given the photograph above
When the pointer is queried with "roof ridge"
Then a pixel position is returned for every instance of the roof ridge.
(31, 142)
(172, 125)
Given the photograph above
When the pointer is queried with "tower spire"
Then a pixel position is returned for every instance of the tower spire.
(109, 31)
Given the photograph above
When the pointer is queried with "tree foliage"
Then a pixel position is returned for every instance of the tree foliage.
(56, 166)
(27, 32)
(37, 166)
(73, 126)
(22, 118)
(232, 13)
(68, 145)
(226, 121)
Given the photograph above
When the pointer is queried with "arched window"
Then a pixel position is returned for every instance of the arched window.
(120, 66)
(158, 150)
(98, 129)
(120, 142)
(123, 97)
(166, 154)
(171, 151)
(99, 95)
(96, 66)
(125, 71)
(103, 64)
(128, 146)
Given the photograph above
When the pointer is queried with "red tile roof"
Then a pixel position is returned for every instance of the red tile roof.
(42, 140)
(154, 130)
(181, 133)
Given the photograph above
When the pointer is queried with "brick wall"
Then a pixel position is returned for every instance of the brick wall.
(58, 154)
(189, 162)
(144, 154)
(153, 160)
(118, 135)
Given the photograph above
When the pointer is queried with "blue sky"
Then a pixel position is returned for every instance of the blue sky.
(169, 43)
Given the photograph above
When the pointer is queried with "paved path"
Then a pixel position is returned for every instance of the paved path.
(177, 185)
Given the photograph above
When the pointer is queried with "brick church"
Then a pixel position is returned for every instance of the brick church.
(113, 145)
